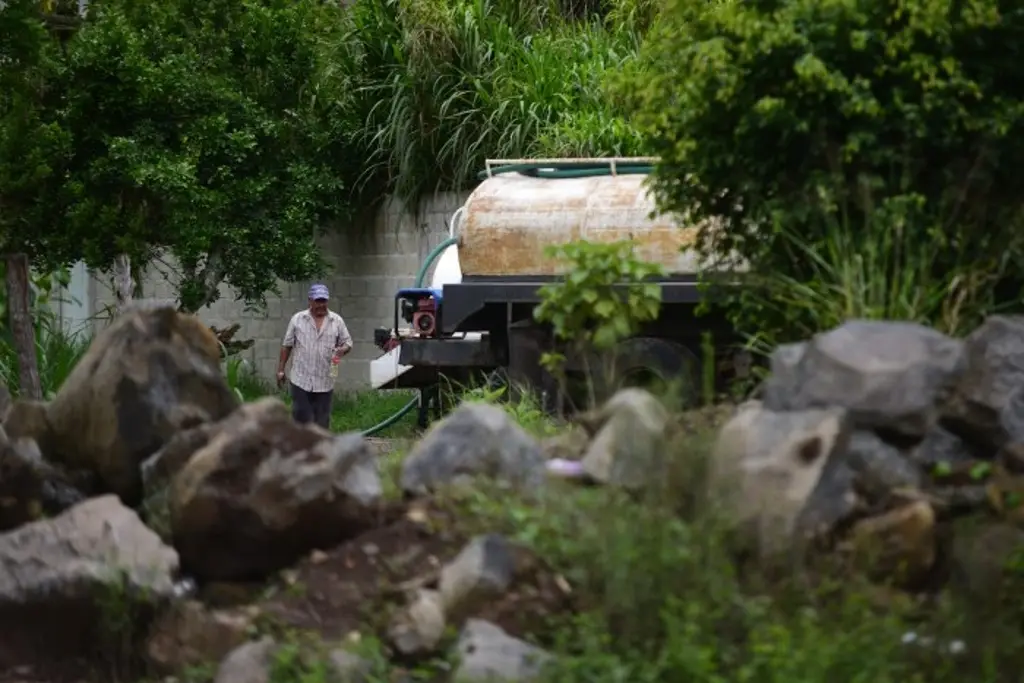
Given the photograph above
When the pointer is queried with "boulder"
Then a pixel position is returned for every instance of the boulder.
(940, 448)
(899, 545)
(628, 448)
(191, 635)
(985, 406)
(489, 655)
(418, 629)
(248, 663)
(880, 467)
(148, 375)
(253, 662)
(158, 470)
(21, 482)
(483, 570)
(477, 439)
(30, 487)
(265, 491)
(888, 375)
(27, 420)
(765, 466)
(69, 582)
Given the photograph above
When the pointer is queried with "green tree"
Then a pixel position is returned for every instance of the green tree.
(34, 148)
(795, 121)
(200, 130)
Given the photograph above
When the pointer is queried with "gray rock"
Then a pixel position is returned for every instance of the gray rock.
(881, 467)
(888, 375)
(765, 465)
(477, 439)
(145, 377)
(346, 667)
(419, 628)
(248, 663)
(190, 634)
(940, 446)
(489, 655)
(628, 449)
(58, 576)
(266, 490)
(1011, 418)
(162, 466)
(783, 363)
(980, 408)
(832, 501)
(483, 570)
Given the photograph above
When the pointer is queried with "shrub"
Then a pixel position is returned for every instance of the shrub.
(791, 121)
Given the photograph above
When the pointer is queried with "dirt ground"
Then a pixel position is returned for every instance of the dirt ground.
(351, 588)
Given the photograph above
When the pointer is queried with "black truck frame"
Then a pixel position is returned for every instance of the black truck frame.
(501, 309)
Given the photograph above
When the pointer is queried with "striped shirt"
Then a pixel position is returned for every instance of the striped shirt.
(312, 349)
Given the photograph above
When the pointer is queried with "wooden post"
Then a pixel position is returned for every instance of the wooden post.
(22, 328)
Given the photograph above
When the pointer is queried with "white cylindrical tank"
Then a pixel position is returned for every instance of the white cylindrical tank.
(447, 270)
(511, 218)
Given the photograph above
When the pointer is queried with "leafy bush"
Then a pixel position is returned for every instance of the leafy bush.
(798, 122)
(603, 299)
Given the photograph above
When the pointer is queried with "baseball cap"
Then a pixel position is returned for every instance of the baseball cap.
(319, 292)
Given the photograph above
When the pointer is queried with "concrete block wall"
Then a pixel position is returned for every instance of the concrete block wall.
(365, 274)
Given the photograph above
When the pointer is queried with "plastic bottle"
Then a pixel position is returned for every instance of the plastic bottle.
(335, 363)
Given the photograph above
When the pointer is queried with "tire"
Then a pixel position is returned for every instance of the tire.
(651, 363)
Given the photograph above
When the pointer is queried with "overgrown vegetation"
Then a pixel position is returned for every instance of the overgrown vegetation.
(228, 134)
(605, 297)
(849, 148)
(441, 85)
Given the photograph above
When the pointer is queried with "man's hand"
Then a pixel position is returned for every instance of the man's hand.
(280, 379)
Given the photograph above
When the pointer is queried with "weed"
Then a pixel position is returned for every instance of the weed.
(603, 299)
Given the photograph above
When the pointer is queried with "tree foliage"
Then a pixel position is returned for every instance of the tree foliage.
(225, 134)
(199, 128)
(797, 120)
(33, 143)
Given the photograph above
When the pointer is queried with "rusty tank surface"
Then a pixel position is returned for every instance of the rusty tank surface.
(511, 218)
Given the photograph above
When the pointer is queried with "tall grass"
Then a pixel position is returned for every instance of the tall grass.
(58, 350)
(878, 271)
(441, 85)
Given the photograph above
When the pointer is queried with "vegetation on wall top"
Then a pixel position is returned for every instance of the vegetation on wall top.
(229, 133)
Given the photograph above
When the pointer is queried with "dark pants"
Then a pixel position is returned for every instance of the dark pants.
(312, 406)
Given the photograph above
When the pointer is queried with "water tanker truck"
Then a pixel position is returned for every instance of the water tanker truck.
(475, 315)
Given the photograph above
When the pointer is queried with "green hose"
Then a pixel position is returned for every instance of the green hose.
(420, 277)
(570, 169)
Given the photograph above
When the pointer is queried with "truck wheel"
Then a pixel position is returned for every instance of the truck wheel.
(658, 365)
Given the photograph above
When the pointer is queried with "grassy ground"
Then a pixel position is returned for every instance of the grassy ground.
(352, 411)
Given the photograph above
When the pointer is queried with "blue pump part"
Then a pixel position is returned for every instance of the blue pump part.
(416, 293)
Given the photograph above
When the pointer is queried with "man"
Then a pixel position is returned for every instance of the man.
(316, 338)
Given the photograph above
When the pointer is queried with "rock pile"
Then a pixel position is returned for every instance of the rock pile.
(876, 434)
(873, 440)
